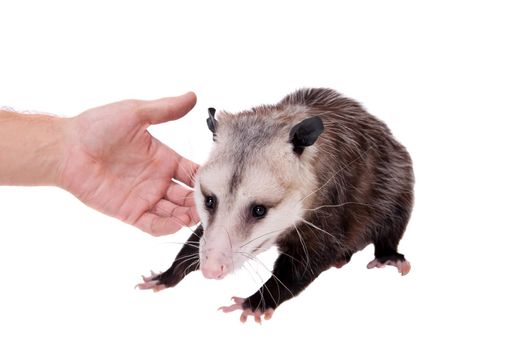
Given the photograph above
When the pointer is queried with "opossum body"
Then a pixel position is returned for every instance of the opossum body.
(315, 175)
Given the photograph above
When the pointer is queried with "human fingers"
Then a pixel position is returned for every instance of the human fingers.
(180, 195)
(185, 170)
(162, 225)
(166, 208)
(165, 109)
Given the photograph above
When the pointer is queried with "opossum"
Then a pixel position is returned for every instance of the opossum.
(316, 175)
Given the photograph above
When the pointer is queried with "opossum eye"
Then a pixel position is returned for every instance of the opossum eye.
(210, 202)
(258, 211)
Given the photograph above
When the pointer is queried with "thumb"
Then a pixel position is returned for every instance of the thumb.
(166, 109)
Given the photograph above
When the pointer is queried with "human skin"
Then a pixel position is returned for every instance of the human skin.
(106, 158)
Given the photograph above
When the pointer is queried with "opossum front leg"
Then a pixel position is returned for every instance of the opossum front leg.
(186, 261)
(288, 280)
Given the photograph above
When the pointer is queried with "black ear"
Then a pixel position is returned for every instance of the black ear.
(306, 133)
(211, 121)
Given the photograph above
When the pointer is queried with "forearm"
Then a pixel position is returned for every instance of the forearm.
(32, 148)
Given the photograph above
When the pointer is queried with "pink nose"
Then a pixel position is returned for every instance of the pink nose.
(211, 270)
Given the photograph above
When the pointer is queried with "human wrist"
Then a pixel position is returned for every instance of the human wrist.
(58, 148)
(32, 148)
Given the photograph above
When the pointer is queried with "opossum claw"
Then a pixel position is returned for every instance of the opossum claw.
(403, 266)
(237, 305)
(150, 278)
(151, 282)
(267, 314)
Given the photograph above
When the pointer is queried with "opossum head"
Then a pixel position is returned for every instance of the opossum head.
(255, 185)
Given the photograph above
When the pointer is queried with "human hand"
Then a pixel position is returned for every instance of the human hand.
(114, 165)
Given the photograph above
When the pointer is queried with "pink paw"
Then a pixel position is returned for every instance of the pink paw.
(402, 266)
(151, 282)
(237, 305)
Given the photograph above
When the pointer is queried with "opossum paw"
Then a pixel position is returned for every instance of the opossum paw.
(247, 312)
(152, 282)
(403, 266)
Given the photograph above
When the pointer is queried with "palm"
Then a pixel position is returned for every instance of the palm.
(115, 166)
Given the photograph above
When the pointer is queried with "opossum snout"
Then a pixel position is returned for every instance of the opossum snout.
(214, 265)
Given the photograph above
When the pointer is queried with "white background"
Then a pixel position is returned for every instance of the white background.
(447, 77)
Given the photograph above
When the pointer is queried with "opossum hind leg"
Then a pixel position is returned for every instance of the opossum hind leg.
(386, 253)
(387, 239)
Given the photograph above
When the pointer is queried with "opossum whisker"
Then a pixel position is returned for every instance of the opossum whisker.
(186, 258)
(271, 272)
(269, 293)
(181, 224)
(196, 235)
(338, 205)
(262, 281)
(360, 156)
(291, 257)
(303, 244)
(190, 265)
(193, 245)
(320, 229)
(193, 233)
(282, 253)
(189, 255)
(258, 261)
(248, 263)
(184, 198)
(188, 175)
(186, 270)
(336, 240)
(189, 268)
(260, 236)
(243, 266)
(321, 187)
(231, 247)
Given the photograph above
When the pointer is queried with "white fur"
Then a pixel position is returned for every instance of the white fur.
(274, 176)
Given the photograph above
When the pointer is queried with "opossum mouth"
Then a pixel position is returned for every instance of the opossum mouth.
(260, 245)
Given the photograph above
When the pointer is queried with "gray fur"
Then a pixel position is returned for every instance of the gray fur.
(363, 174)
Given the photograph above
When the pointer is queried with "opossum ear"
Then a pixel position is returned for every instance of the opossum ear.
(305, 133)
(211, 121)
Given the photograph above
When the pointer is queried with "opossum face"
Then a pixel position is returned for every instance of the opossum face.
(241, 217)
(251, 190)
